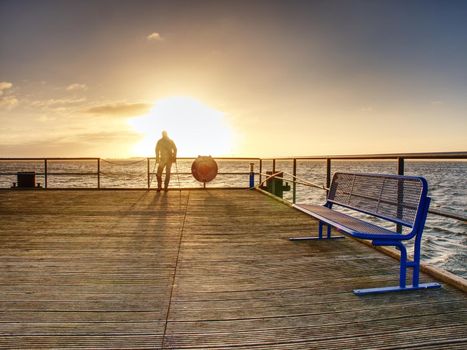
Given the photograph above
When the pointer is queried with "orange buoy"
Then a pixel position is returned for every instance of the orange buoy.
(204, 169)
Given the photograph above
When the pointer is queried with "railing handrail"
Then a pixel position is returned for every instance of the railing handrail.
(121, 159)
(424, 155)
(218, 158)
(48, 158)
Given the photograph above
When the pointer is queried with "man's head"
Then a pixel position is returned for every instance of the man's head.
(164, 134)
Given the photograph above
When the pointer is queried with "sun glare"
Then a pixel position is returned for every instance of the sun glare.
(196, 128)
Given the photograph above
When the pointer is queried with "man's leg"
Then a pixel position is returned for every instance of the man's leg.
(168, 168)
(160, 169)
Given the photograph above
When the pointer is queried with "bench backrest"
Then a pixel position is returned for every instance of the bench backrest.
(391, 197)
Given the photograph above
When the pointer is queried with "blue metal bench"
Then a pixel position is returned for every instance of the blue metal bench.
(401, 200)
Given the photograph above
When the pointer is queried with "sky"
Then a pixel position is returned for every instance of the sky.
(253, 78)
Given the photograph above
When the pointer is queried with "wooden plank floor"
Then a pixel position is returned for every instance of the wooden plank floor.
(199, 270)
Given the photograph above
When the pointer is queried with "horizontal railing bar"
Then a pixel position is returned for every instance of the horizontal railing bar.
(218, 158)
(42, 159)
(304, 182)
(432, 155)
(72, 174)
(448, 214)
(55, 174)
(107, 173)
(189, 173)
(14, 174)
(429, 155)
(129, 188)
(118, 159)
(300, 182)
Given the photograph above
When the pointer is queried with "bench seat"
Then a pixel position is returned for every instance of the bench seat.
(356, 227)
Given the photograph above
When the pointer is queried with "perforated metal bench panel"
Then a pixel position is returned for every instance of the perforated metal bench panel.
(344, 222)
(391, 197)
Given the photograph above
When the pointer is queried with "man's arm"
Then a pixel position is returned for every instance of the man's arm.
(157, 151)
(174, 151)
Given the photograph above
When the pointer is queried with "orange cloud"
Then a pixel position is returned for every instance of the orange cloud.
(8, 101)
(120, 109)
(154, 37)
(76, 87)
(5, 85)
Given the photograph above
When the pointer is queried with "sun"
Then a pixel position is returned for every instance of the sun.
(196, 128)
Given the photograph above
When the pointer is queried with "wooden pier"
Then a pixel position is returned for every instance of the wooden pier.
(199, 270)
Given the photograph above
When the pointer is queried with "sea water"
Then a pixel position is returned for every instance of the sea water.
(444, 240)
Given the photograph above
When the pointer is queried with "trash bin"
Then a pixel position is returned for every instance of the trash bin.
(276, 186)
(26, 179)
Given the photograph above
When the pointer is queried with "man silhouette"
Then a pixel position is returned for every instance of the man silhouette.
(166, 154)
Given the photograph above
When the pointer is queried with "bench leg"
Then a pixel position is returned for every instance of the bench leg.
(320, 234)
(416, 260)
(403, 272)
(403, 265)
(395, 289)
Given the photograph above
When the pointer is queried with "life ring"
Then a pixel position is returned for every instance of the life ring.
(204, 169)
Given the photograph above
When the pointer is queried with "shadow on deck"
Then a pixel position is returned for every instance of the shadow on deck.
(199, 269)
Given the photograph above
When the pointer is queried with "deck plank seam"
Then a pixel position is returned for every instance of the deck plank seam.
(326, 338)
(423, 344)
(175, 270)
(283, 316)
(285, 328)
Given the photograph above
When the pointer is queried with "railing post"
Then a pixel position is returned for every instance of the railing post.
(98, 173)
(273, 179)
(45, 173)
(400, 190)
(260, 170)
(252, 175)
(149, 170)
(328, 173)
(294, 190)
(400, 166)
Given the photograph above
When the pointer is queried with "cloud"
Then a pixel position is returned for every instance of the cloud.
(154, 37)
(45, 119)
(105, 137)
(5, 85)
(366, 109)
(57, 102)
(113, 143)
(120, 109)
(77, 87)
(8, 102)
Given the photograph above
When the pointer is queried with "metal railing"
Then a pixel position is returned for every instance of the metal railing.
(400, 158)
(46, 173)
(151, 173)
(44, 165)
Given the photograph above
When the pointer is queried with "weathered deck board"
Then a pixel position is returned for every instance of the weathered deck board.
(196, 270)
